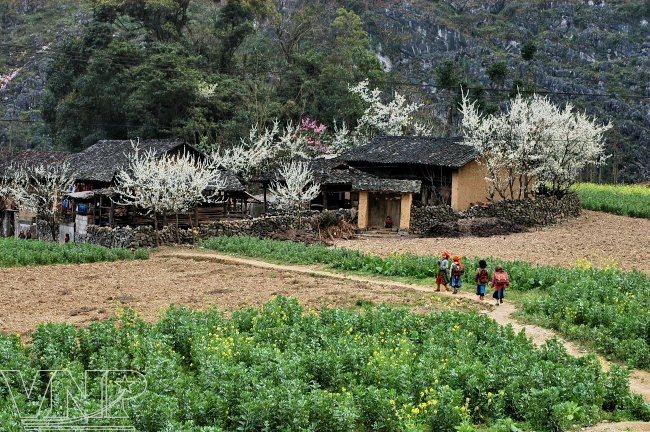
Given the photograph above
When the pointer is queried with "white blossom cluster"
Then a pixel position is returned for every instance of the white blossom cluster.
(168, 183)
(394, 118)
(299, 186)
(39, 188)
(263, 150)
(533, 144)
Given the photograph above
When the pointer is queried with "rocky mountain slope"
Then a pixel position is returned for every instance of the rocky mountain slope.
(594, 54)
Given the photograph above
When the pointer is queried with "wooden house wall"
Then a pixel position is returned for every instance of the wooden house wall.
(381, 205)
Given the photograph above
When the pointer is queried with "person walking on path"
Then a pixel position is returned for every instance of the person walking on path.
(457, 271)
(443, 276)
(500, 281)
(482, 277)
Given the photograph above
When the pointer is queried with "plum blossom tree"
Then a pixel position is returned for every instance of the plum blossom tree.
(172, 183)
(392, 118)
(41, 189)
(299, 187)
(11, 190)
(395, 118)
(533, 144)
(264, 150)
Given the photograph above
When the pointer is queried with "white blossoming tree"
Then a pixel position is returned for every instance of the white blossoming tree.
(263, 151)
(533, 144)
(392, 118)
(41, 189)
(11, 189)
(173, 183)
(298, 189)
(395, 117)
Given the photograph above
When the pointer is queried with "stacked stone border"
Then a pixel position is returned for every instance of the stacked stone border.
(441, 221)
(503, 217)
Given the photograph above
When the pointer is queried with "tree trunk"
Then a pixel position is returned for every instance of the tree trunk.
(155, 228)
(178, 236)
(191, 226)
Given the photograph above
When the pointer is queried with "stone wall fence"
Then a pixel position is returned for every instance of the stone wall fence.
(502, 217)
(497, 218)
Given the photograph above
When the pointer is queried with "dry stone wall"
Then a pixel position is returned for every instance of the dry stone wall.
(145, 236)
(497, 218)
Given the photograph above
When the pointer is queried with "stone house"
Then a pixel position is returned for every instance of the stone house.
(346, 187)
(415, 170)
(389, 175)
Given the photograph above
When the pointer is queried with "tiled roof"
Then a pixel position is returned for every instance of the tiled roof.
(432, 151)
(28, 158)
(103, 159)
(334, 171)
(363, 181)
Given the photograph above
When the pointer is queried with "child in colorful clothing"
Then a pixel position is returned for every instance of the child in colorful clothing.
(500, 282)
(457, 271)
(482, 277)
(443, 277)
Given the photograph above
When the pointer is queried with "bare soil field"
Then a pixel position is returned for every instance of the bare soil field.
(79, 294)
(601, 238)
(82, 293)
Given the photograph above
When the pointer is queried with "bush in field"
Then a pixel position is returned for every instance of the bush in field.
(618, 199)
(281, 367)
(17, 252)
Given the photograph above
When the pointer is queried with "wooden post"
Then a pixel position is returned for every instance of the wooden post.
(111, 214)
(324, 192)
(405, 211)
(264, 184)
(364, 210)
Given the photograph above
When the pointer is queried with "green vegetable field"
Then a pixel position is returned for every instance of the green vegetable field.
(607, 309)
(17, 252)
(626, 200)
(284, 368)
